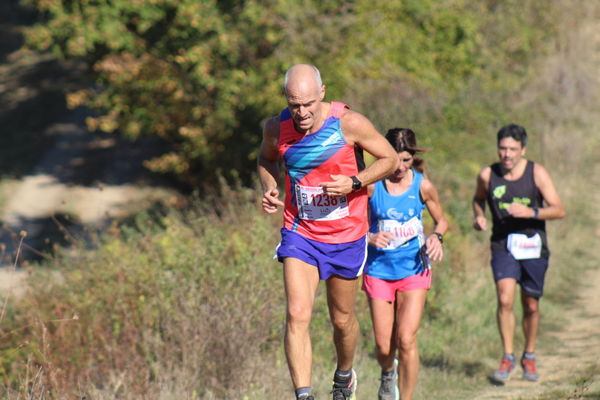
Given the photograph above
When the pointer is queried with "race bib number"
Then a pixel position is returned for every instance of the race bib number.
(523, 247)
(402, 231)
(315, 205)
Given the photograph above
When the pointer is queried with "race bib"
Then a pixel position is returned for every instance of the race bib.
(402, 231)
(315, 205)
(523, 247)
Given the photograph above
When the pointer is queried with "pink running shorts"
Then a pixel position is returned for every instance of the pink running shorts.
(386, 290)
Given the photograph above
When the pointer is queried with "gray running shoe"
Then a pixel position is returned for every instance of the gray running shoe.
(388, 389)
(529, 370)
(345, 390)
(502, 374)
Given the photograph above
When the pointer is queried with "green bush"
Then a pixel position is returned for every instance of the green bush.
(204, 74)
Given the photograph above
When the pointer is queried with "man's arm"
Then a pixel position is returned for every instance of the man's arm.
(268, 166)
(553, 208)
(359, 130)
(483, 181)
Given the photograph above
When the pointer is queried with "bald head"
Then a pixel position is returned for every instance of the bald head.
(302, 75)
(304, 93)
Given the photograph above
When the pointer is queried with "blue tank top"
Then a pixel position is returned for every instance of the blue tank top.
(403, 216)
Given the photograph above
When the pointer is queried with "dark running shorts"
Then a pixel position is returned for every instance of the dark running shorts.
(346, 259)
(529, 273)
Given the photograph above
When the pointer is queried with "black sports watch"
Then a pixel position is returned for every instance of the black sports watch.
(439, 236)
(356, 184)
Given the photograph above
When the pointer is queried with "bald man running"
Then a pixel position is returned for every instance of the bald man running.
(325, 215)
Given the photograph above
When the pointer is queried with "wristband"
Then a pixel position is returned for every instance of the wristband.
(536, 212)
(439, 236)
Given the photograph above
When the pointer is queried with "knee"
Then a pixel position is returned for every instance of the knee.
(384, 348)
(298, 317)
(407, 341)
(505, 302)
(342, 321)
(530, 309)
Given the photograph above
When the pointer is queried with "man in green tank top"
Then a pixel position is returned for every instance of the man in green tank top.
(521, 197)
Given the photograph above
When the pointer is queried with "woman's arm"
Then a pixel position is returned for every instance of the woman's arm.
(431, 199)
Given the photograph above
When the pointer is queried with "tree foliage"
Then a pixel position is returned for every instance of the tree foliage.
(203, 74)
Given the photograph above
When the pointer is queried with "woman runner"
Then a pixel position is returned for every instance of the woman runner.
(398, 273)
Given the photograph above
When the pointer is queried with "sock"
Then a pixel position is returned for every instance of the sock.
(509, 357)
(303, 392)
(527, 355)
(389, 373)
(342, 378)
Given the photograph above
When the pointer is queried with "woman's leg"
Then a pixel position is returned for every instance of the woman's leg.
(382, 314)
(409, 309)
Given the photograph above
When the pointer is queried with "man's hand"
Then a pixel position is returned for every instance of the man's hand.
(480, 223)
(380, 239)
(270, 200)
(339, 186)
(518, 210)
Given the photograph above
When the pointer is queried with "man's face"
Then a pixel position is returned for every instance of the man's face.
(304, 103)
(510, 152)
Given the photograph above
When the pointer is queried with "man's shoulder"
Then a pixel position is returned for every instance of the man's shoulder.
(335, 109)
(272, 123)
(537, 167)
(352, 119)
(538, 170)
(486, 172)
(344, 111)
(271, 129)
(541, 175)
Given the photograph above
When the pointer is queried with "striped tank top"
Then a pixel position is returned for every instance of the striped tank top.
(309, 160)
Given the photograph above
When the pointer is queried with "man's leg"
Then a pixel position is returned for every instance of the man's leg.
(341, 296)
(532, 288)
(301, 281)
(409, 309)
(505, 290)
(531, 320)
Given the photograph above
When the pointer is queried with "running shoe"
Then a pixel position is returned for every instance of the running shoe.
(344, 389)
(502, 374)
(529, 370)
(388, 389)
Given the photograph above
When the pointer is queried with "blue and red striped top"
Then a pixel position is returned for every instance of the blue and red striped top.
(309, 160)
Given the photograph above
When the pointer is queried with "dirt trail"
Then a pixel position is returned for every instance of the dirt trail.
(575, 355)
